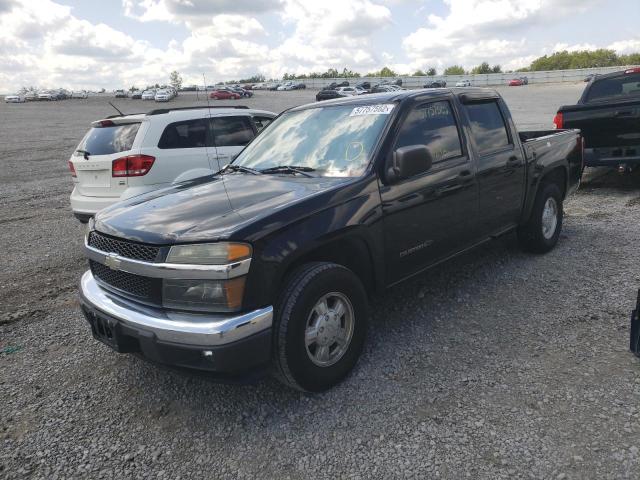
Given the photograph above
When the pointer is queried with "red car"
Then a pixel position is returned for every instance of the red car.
(224, 95)
(516, 82)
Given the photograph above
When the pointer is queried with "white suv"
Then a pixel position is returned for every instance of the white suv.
(124, 156)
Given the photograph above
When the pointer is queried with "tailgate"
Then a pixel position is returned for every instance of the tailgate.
(608, 125)
(94, 177)
(107, 141)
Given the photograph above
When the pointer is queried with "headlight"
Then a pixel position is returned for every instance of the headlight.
(203, 295)
(209, 253)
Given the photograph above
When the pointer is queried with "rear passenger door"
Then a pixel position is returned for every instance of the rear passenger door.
(433, 214)
(500, 166)
(182, 152)
(230, 135)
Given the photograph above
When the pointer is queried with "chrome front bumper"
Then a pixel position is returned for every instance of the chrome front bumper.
(206, 330)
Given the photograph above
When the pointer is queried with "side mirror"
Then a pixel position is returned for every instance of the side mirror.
(409, 161)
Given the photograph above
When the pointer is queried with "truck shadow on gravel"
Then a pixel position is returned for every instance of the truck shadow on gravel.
(402, 337)
(604, 178)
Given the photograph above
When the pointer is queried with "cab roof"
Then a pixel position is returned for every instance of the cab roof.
(398, 96)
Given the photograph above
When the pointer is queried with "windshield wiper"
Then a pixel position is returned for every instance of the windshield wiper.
(289, 169)
(239, 168)
(84, 153)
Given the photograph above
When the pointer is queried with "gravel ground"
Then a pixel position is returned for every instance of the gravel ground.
(498, 364)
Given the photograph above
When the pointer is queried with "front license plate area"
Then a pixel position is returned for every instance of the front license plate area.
(104, 329)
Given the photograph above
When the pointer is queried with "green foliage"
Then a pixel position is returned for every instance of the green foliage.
(175, 79)
(566, 60)
(454, 70)
(253, 79)
(483, 68)
(631, 59)
(331, 73)
(385, 72)
(419, 73)
(431, 72)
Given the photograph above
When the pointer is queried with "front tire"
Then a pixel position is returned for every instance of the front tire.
(541, 232)
(320, 326)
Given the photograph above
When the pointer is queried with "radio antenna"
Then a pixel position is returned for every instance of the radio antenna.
(206, 94)
(116, 108)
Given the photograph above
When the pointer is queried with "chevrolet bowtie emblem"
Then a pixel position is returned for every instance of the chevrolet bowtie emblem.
(112, 261)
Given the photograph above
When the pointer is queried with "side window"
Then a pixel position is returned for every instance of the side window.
(232, 131)
(262, 122)
(187, 134)
(487, 126)
(433, 125)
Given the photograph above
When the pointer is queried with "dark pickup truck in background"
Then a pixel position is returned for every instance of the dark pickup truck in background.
(270, 263)
(608, 115)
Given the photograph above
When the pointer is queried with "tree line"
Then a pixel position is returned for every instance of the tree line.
(563, 60)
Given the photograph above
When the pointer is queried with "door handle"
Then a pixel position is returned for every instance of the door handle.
(512, 160)
(465, 173)
(626, 113)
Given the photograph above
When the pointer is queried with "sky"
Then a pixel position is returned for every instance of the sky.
(85, 44)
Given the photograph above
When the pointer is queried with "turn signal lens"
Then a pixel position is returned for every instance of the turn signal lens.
(238, 251)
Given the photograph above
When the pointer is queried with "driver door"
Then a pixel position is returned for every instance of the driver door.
(433, 214)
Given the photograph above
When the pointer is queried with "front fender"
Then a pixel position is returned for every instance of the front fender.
(337, 233)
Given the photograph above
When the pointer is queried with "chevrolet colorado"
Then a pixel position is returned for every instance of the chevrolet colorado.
(608, 115)
(269, 263)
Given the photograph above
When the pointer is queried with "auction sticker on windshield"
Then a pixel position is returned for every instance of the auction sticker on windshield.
(380, 109)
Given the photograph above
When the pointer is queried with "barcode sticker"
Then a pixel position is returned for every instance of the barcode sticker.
(380, 109)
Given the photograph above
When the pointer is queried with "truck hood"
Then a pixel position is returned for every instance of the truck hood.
(208, 208)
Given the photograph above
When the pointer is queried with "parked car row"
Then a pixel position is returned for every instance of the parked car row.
(230, 93)
(337, 90)
(159, 95)
(278, 86)
(45, 95)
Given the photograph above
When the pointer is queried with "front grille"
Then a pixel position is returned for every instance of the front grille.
(141, 287)
(124, 248)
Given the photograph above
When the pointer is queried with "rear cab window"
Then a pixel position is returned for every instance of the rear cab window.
(110, 139)
(619, 87)
(488, 127)
(434, 125)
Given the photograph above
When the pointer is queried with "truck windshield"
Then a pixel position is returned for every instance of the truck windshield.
(334, 141)
(619, 87)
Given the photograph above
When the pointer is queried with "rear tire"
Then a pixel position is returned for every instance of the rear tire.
(541, 232)
(320, 326)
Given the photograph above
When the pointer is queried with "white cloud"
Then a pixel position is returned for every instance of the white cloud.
(194, 13)
(484, 30)
(44, 43)
(626, 46)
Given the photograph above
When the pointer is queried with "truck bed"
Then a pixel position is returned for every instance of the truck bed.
(550, 146)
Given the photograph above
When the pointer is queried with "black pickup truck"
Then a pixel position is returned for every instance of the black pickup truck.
(269, 264)
(608, 115)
